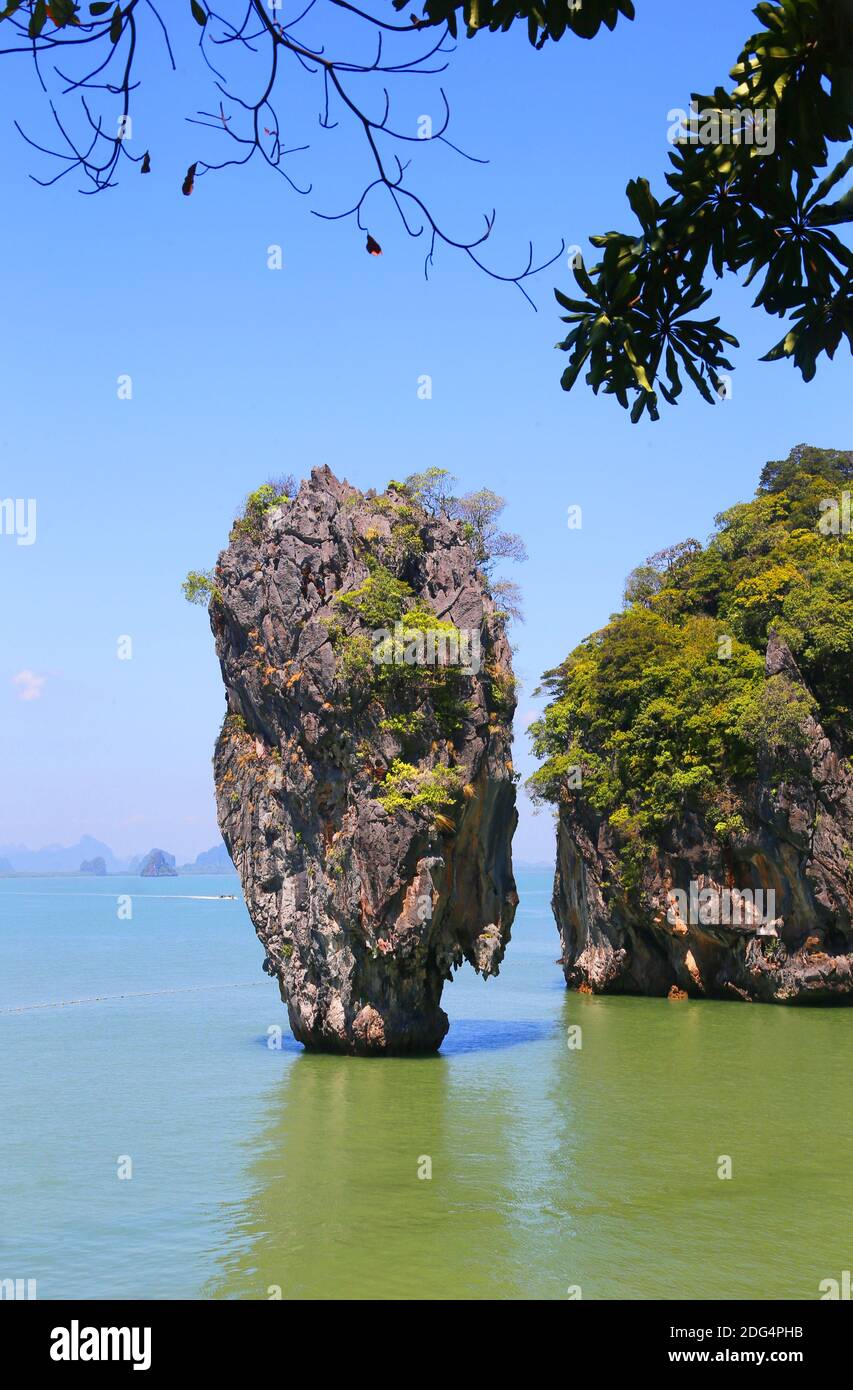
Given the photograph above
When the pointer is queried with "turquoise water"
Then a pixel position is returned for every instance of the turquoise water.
(256, 1170)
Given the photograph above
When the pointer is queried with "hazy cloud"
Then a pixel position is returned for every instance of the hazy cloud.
(28, 684)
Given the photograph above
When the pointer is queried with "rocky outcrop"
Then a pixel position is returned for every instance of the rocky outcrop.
(158, 864)
(96, 866)
(364, 785)
(697, 925)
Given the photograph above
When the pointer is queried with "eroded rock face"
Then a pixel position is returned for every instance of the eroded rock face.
(158, 864)
(363, 908)
(797, 844)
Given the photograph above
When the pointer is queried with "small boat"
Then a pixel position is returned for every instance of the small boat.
(229, 897)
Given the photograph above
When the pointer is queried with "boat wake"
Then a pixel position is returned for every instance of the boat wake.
(137, 994)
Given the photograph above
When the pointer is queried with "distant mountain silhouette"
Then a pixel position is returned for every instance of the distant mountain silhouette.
(89, 854)
(59, 858)
(211, 861)
(216, 858)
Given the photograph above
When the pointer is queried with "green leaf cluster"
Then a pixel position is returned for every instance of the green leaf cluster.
(755, 204)
(545, 19)
(410, 788)
(404, 726)
(200, 587)
(380, 600)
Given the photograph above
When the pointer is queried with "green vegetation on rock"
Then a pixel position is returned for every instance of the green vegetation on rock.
(405, 726)
(390, 613)
(380, 601)
(276, 492)
(200, 586)
(668, 709)
(410, 788)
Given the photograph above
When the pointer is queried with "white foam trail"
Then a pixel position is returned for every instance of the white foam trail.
(149, 897)
(138, 994)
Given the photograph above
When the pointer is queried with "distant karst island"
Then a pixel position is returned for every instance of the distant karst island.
(96, 866)
(95, 859)
(158, 864)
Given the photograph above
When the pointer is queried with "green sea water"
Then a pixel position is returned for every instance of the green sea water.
(256, 1169)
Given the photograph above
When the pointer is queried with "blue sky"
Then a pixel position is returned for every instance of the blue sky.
(239, 371)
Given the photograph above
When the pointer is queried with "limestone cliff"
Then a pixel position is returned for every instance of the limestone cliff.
(795, 842)
(158, 864)
(364, 784)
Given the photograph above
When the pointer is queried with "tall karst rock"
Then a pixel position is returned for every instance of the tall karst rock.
(364, 782)
(698, 751)
(795, 842)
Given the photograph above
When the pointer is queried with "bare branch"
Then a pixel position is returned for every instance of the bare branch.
(252, 124)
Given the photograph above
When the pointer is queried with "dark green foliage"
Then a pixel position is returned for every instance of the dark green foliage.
(794, 474)
(545, 19)
(638, 329)
(734, 205)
